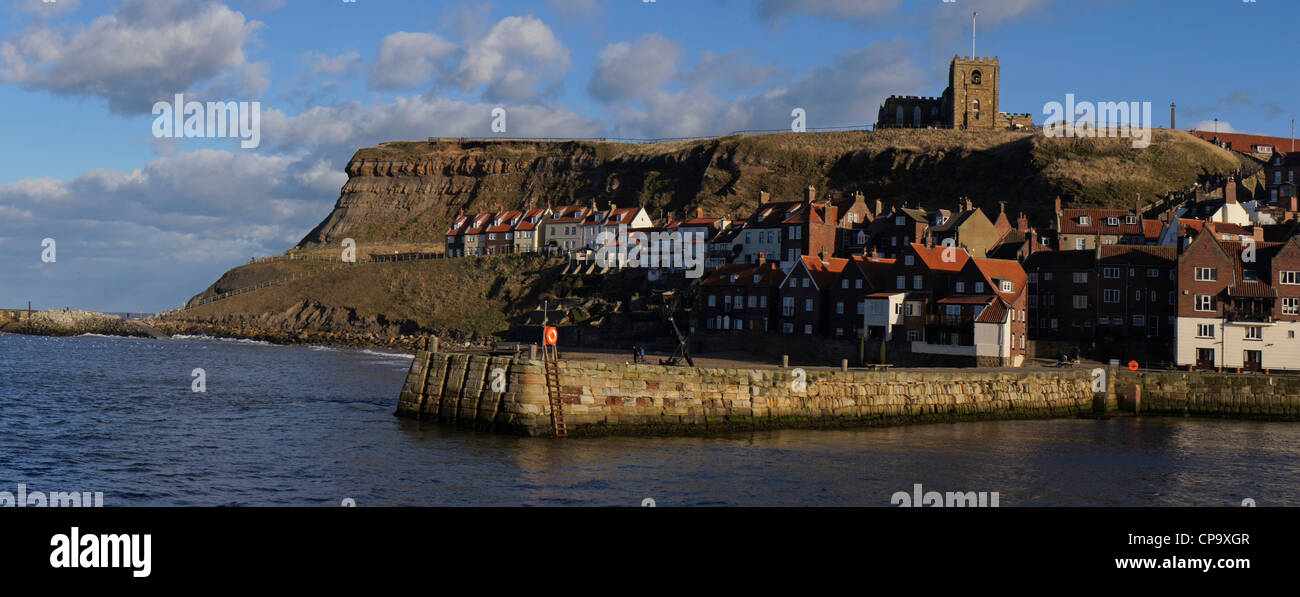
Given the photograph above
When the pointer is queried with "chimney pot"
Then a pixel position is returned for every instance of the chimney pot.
(763, 197)
(699, 212)
(810, 194)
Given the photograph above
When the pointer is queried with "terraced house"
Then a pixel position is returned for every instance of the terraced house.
(739, 297)
(563, 230)
(1083, 229)
(528, 232)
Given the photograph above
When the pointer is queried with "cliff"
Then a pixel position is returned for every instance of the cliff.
(411, 190)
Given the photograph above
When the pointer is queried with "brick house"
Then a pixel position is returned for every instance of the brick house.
(968, 228)
(1138, 287)
(891, 233)
(1062, 295)
(474, 238)
(1083, 229)
(739, 297)
(804, 294)
(500, 233)
(847, 301)
(1238, 311)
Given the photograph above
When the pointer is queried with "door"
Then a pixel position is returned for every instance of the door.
(1253, 360)
(1205, 358)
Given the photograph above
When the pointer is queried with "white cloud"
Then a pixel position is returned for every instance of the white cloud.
(513, 59)
(147, 50)
(634, 70)
(1222, 126)
(407, 60)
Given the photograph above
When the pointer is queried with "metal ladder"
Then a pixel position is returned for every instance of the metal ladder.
(551, 358)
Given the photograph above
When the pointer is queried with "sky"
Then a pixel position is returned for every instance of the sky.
(142, 219)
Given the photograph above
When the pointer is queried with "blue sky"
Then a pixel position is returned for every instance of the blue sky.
(145, 223)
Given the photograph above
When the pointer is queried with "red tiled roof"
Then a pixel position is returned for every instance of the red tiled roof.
(1246, 143)
(996, 312)
(1098, 222)
(933, 257)
(966, 300)
(768, 275)
(1003, 270)
(1151, 228)
(824, 274)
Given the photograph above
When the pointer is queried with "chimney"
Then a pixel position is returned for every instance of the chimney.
(1258, 231)
(1230, 192)
(764, 197)
(1294, 200)
(810, 195)
(593, 205)
(699, 212)
(1058, 206)
(875, 253)
(880, 207)
(1022, 222)
(1137, 208)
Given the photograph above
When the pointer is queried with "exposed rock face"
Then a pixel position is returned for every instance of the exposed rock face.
(412, 190)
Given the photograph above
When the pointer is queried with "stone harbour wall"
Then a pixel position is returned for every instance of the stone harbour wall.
(1213, 394)
(509, 395)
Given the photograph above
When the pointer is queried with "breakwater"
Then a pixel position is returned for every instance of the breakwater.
(509, 395)
(1203, 393)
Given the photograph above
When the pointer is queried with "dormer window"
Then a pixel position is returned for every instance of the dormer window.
(1008, 286)
(1130, 219)
(1112, 221)
(1085, 221)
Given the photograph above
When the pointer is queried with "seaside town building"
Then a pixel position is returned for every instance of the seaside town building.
(1238, 306)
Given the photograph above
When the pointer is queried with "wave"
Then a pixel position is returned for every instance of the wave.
(392, 355)
(231, 340)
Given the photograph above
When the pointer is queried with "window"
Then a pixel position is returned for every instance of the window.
(1137, 296)
(1110, 272)
(1080, 301)
(913, 336)
(961, 287)
(877, 308)
(1289, 278)
(1080, 244)
(712, 300)
(1291, 306)
(807, 329)
(753, 301)
(1008, 286)
(1085, 221)
(762, 302)
(805, 282)
(911, 309)
(1254, 332)
(900, 283)
(1207, 274)
(787, 307)
(839, 307)
(844, 283)
(979, 288)
(1205, 302)
(898, 221)
(1112, 221)
(1055, 324)
(808, 305)
(1103, 321)
(1047, 276)
(862, 307)
(916, 282)
(1111, 295)
(1080, 277)
(1139, 321)
(787, 328)
(1033, 277)
(858, 283)
(1204, 330)
(1153, 272)
(839, 331)
(908, 260)
(1130, 219)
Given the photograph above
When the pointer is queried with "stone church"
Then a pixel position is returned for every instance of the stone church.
(970, 102)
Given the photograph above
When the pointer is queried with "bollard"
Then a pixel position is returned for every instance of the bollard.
(844, 365)
(435, 344)
(532, 352)
(785, 361)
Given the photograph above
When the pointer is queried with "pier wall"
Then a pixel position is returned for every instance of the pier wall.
(1203, 393)
(509, 395)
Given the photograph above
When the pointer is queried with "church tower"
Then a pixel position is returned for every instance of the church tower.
(973, 83)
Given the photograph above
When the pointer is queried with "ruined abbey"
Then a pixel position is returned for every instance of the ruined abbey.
(970, 102)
